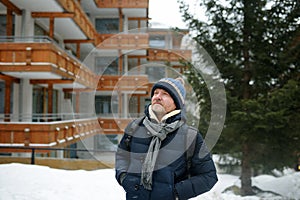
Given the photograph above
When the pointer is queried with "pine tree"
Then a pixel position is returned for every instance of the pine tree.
(255, 45)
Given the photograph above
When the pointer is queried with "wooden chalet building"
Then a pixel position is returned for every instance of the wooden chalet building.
(73, 73)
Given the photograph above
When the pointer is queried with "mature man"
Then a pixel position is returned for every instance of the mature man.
(157, 159)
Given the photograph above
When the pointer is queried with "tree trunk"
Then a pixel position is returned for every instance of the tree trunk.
(246, 185)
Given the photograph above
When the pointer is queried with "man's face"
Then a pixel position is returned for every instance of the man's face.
(162, 102)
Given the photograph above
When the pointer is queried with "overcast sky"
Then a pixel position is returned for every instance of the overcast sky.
(165, 13)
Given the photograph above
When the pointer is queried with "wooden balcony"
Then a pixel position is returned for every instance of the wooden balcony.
(123, 41)
(123, 83)
(113, 126)
(81, 19)
(169, 55)
(47, 134)
(122, 3)
(55, 134)
(43, 57)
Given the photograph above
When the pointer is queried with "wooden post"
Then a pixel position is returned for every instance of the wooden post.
(139, 66)
(9, 22)
(28, 55)
(120, 63)
(26, 137)
(50, 100)
(78, 50)
(120, 20)
(51, 27)
(7, 101)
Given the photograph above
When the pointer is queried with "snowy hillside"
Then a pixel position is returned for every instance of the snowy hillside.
(32, 182)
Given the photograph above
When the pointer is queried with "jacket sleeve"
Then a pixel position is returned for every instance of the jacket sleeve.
(203, 173)
(123, 152)
(122, 158)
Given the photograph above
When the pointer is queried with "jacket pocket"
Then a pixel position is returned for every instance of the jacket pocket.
(131, 183)
(180, 173)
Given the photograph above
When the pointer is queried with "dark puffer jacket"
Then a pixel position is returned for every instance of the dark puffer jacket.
(171, 177)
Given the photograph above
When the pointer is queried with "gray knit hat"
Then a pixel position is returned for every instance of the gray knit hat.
(175, 87)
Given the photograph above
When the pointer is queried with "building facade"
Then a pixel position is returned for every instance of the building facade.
(74, 73)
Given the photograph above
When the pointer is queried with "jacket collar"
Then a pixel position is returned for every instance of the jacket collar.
(152, 115)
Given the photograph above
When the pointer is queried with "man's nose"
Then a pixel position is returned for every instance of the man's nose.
(157, 96)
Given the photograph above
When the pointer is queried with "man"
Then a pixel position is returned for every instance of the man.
(152, 161)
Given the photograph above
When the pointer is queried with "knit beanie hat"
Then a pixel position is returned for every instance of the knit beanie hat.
(175, 87)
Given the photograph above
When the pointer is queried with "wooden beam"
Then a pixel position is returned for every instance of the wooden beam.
(138, 18)
(79, 41)
(51, 81)
(76, 90)
(80, 18)
(11, 6)
(9, 78)
(52, 15)
(137, 56)
(122, 3)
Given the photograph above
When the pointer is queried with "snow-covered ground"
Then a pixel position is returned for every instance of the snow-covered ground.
(33, 182)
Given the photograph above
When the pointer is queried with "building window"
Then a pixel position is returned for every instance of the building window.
(3, 25)
(106, 105)
(40, 104)
(155, 73)
(137, 66)
(107, 26)
(157, 41)
(103, 104)
(106, 65)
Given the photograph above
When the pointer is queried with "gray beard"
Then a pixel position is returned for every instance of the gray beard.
(158, 110)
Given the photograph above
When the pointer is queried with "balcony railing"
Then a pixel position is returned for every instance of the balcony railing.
(44, 117)
(169, 55)
(123, 83)
(59, 133)
(57, 130)
(113, 126)
(123, 41)
(122, 3)
(42, 55)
